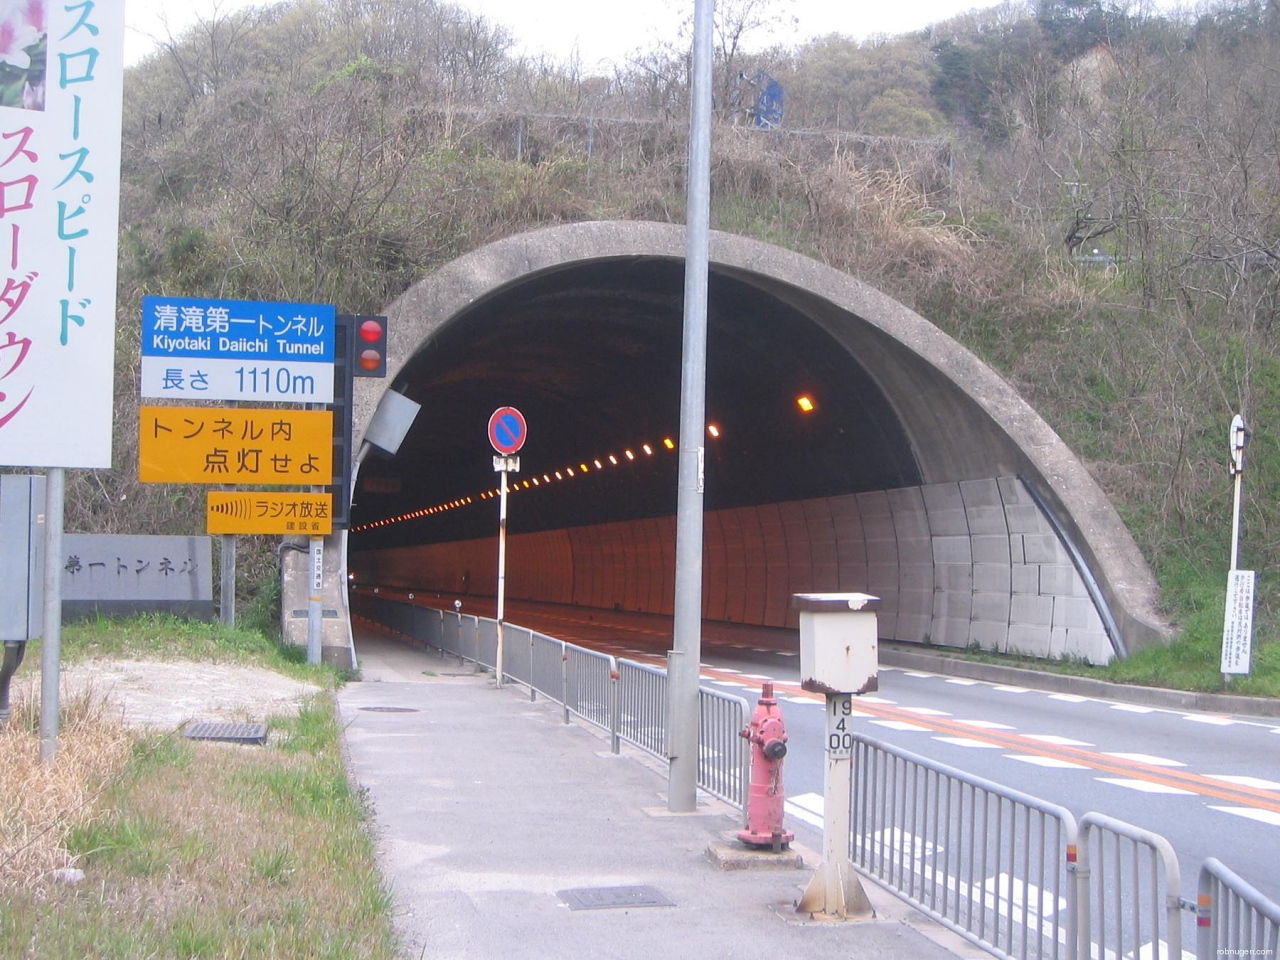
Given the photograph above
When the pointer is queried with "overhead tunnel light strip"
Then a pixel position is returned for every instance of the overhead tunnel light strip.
(584, 467)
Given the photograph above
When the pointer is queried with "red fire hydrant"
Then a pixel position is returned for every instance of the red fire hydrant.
(768, 736)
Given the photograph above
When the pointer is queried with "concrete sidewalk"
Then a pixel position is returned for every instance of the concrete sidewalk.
(487, 806)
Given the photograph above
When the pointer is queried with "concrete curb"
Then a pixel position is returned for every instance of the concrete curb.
(940, 662)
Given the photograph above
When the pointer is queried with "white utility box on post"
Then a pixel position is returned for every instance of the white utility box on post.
(838, 644)
(838, 658)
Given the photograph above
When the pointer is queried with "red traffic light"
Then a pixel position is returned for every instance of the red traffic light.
(371, 347)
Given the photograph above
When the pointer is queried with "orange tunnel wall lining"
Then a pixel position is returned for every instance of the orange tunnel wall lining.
(954, 564)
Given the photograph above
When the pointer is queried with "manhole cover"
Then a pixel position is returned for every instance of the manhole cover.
(226, 732)
(389, 709)
(613, 898)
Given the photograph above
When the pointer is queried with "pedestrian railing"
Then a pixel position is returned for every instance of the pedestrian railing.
(1129, 883)
(1232, 918)
(642, 707)
(988, 862)
(625, 698)
(1014, 874)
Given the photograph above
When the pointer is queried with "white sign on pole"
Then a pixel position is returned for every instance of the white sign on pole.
(1237, 629)
(59, 219)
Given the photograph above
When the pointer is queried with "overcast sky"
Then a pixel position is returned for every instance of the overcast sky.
(597, 29)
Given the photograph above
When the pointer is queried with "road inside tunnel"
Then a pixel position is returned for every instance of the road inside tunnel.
(591, 355)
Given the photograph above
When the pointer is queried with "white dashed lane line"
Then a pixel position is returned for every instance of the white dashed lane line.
(1262, 816)
(968, 742)
(1046, 761)
(1256, 782)
(1056, 740)
(1145, 786)
(900, 725)
(1145, 758)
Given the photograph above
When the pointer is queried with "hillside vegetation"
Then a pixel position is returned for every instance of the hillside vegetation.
(1085, 195)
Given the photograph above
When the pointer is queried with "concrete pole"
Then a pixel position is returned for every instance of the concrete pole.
(683, 669)
(51, 643)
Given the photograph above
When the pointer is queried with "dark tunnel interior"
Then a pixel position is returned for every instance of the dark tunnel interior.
(591, 355)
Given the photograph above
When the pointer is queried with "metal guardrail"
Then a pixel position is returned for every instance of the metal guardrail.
(989, 863)
(625, 698)
(1129, 883)
(1232, 918)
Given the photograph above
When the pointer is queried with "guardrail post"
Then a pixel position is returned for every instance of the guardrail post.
(1205, 911)
(615, 709)
(564, 678)
(533, 678)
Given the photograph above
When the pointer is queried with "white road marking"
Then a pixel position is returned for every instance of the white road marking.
(922, 676)
(965, 682)
(876, 700)
(805, 701)
(967, 742)
(1068, 698)
(1265, 816)
(1146, 758)
(900, 725)
(1145, 786)
(1209, 719)
(927, 711)
(807, 807)
(1056, 740)
(1256, 782)
(1046, 761)
(1132, 708)
(986, 724)
(1011, 689)
(1012, 889)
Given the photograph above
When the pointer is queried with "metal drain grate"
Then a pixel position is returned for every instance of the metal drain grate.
(390, 709)
(255, 733)
(614, 898)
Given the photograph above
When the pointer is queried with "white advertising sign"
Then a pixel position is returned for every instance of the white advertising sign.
(1237, 629)
(61, 81)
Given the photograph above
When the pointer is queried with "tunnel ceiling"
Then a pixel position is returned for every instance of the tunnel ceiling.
(591, 355)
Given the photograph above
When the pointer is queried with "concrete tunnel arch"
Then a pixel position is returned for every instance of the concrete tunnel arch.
(1007, 542)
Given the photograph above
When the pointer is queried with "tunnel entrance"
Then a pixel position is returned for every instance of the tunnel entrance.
(851, 446)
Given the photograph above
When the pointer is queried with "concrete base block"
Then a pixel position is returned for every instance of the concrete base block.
(729, 854)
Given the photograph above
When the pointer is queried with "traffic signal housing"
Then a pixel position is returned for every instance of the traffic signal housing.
(370, 358)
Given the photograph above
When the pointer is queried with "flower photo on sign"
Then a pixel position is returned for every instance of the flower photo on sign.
(24, 43)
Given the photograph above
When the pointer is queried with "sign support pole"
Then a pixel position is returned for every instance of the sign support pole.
(227, 579)
(507, 433)
(51, 644)
(502, 568)
(315, 606)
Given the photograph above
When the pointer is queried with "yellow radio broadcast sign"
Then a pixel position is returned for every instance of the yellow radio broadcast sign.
(271, 512)
(235, 446)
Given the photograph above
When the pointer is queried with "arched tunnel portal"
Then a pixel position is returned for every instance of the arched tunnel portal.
(919, 475)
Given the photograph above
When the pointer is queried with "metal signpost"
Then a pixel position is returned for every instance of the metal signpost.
(507, 432)
(1237, 627)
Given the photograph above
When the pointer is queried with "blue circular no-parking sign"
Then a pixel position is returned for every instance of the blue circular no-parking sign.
(507, 430)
